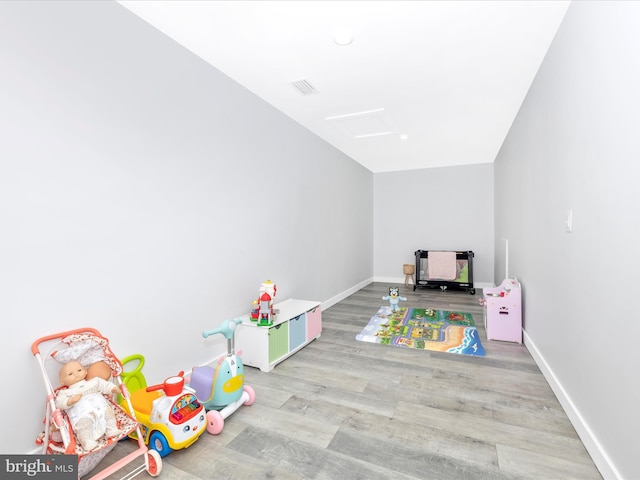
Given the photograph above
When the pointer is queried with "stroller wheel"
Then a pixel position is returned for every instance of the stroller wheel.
(154, 463)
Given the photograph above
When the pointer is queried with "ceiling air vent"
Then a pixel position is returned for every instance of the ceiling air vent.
(304, 87)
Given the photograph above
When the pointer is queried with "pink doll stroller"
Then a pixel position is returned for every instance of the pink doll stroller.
(91, 349)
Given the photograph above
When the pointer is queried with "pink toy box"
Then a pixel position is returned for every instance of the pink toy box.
(503, 311)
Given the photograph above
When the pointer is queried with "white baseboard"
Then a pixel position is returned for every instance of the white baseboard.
(390, 280)
(341, 296)
(591, 443)
(401, 280)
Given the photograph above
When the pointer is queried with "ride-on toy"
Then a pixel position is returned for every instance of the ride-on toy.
(221, 389)
(170, 415)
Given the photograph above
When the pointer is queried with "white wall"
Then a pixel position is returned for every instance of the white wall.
(145, 194)
(575, 146)
(448, 208)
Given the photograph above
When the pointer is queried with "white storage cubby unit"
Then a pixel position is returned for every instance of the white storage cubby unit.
(297, 323)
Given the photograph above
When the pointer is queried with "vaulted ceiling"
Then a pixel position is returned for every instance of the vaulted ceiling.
(420, 84)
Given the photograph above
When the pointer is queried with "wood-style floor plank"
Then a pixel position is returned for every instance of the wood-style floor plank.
(343, 409)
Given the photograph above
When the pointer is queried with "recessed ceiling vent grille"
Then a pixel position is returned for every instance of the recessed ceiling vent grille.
(304, 87)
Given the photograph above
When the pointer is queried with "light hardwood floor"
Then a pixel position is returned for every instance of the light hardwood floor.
(343, 409)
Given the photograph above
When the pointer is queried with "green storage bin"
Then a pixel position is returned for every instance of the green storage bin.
(278, 341)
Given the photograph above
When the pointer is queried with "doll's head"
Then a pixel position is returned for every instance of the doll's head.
(71, 373)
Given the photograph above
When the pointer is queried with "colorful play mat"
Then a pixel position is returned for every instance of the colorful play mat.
(424, 329)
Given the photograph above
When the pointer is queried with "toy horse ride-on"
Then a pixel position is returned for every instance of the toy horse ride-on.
(221, 389)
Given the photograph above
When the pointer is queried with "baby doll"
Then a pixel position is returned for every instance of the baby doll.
(89, 411)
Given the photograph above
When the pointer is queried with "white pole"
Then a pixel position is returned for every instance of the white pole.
(506, 259)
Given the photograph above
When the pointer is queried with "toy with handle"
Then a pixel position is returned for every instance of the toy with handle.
(172, 386)
(221, 389)
(170, 415)
(133, 379)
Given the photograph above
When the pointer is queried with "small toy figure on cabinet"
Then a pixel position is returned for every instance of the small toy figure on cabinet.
(394, 298)
(262, 311)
